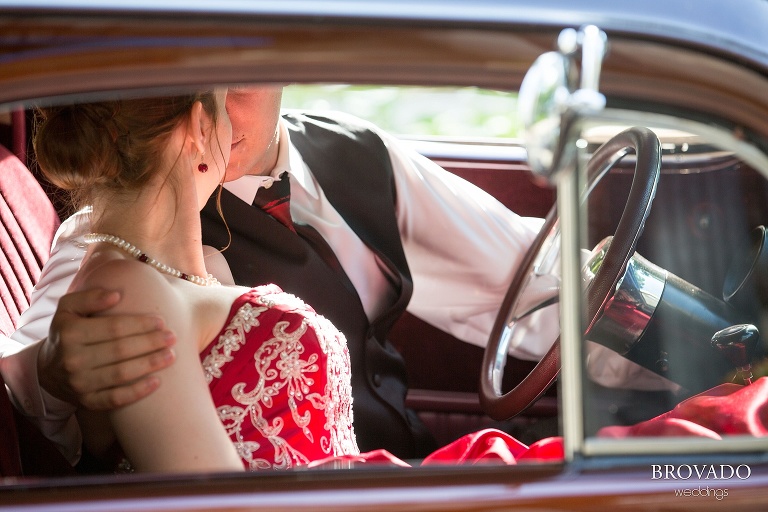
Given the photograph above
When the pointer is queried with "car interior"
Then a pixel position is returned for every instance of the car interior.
(443, 389)
(693, 208)
(703, 209)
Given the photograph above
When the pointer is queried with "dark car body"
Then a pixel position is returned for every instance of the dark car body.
(705, 62)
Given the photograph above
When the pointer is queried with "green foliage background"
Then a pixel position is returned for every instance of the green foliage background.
(416, 111)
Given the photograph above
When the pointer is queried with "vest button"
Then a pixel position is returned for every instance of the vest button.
(376, 380)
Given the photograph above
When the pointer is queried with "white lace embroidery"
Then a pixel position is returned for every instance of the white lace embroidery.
(231, 341)
(292, 374)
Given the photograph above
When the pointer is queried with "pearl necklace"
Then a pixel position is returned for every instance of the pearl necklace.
(92, 238)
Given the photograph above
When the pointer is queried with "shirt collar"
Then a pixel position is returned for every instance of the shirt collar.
(288, 160)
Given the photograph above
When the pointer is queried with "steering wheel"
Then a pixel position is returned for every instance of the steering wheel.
(647, 168)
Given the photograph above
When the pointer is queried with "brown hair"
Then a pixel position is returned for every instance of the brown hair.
(110, 145)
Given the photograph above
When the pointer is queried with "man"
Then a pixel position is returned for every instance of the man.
(395, 231)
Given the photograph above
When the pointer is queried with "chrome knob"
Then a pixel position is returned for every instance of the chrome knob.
(737, 343)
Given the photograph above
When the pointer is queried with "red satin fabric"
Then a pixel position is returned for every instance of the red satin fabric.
(727, 409)
(489, 446)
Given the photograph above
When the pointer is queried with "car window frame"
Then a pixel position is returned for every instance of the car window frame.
(467, 72)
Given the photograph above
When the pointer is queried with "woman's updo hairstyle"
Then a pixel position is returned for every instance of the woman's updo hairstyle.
(112, 144)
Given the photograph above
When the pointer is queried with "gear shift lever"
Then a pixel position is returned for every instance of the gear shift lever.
(737, 344)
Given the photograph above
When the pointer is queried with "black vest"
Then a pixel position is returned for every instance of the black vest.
(353, 168)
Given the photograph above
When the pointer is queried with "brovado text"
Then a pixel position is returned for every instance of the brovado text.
(699, 471)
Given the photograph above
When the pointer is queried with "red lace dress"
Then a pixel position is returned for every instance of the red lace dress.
(279, 374)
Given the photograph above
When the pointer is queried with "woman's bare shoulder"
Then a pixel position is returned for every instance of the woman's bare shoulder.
(143, 289)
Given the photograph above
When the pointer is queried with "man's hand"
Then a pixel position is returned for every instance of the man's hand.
(105, 362)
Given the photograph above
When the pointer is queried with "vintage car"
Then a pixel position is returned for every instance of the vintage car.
(643, 142)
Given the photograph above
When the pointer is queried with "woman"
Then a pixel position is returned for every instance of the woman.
(273, 389)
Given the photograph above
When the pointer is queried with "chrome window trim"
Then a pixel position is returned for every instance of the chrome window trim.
(672, 446)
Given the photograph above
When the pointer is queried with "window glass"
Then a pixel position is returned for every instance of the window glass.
(685, 318)
(416, 111)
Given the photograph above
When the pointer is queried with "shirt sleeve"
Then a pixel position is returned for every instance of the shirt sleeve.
(55, 279)
(18, 355)
(55, 418)
(463, 248)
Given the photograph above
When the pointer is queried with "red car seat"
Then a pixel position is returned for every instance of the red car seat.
(28, 222)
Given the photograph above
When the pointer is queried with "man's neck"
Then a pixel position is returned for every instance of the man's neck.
(271, 156)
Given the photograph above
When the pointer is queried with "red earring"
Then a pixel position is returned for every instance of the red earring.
(202, 167)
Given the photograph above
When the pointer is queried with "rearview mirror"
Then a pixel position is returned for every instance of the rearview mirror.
(551, 102)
